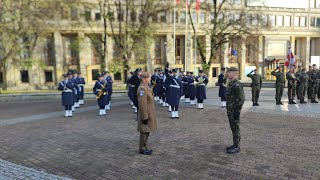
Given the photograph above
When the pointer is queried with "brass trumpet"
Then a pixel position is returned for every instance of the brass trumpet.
(102, 92)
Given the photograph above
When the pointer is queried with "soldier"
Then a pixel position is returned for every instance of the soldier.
(81, 85)
(301, 82)
(309, 83)
(279, 84)
(181, 76)
(66, 87)
(186, 87)
(314, 83)
(222, 87)
(192, 89)
(291, 85)
(174, 87)
(135, 82)
(154, 84)
(109, 81)
(100, 89)
(77, 88)
(235, 100)
(201, 94)
(70, 78)
(305, 87)
(166, 85)
(255, 86)
(161, 92)
(130, 89)
(147, 122)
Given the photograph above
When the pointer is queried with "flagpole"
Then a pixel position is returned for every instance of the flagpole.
(195, 41)
(174, 33)
(186, 39)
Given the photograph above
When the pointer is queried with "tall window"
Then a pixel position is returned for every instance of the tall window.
(133, 16)
(318, 22)
(74, 13)
(296, 21)
(264, 19)
(50, 50)
(303, 21)
(87, 15)
(155, 18)
(96, 47)
(158, 50)
(183, 18)
(287, 21)
(163, 17)
(120, 16)
(74, 50)
(280, 21)
(24, 76)
(178, 51)
(26, 51)
(94, 74)
(312, 21)
(272, 20)
(48, 76)
(202, 19)
(116, 51)
(98, 16)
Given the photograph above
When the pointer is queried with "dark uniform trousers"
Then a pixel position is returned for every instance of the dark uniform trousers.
(143, 141)
(279, 92)
(291, 91)
(234, 120)
(255, 93)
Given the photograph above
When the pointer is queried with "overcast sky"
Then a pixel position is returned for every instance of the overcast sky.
(280, 3)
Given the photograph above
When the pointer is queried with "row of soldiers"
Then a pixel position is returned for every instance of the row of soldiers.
(72, 87)
(169, 88)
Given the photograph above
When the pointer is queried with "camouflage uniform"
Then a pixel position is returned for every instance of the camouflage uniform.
(302, 79)
(279, 85)
(235, 100)
(291, 87)
(309, 85)
(313, 83)
(255, 86)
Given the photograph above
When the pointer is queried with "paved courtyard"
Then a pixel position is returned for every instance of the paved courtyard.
(278, 142)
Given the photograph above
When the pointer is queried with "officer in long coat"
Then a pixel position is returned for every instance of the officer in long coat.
(201, 94)
(154, 84)
(81, 85)
(130, 89)
(135, 82)
(161, 91)
(222, 88)
(174, 93)
(109, 80)
(192, 89)
(66, 87)
(147, 122)
(77, 88)
(100, 89)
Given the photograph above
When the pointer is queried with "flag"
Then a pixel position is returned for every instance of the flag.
(178, 1)
(290, 58)
(188, 3)
(197, 5)
(229, 51)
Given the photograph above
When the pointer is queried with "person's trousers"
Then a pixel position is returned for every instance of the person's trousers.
(174, 108)
(255, 93)
(279, 92)
(200, 100)
(143, 141)
(234, 121)
(68, 108)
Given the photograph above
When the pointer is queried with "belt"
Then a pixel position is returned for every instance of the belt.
(68, 91)
(201, 84)
(80, 84)
(132, 86)
(191, 84)
(175, 86)
(98, 90)
(184, 83)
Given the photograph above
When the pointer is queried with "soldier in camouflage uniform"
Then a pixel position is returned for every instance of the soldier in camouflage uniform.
(291, 85)
(309, 89)
(301, 82)
(313, 83)
(255, 86)
(279, 84)
(235, 100)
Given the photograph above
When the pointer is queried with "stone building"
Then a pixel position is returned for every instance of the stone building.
(68, 46)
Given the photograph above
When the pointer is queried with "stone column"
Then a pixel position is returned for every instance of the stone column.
(243, 58)
(307, 53)
(58, 55)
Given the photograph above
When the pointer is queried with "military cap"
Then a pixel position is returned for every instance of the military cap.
(100, 75)
(191, 72)
(138, 70)
(131, 72)
(103, 73)
(233, 69)
(65, 75)
(73, 72)
(69, 73)
(200, 71)
(170, 71)
(145, 75)
(174, 70)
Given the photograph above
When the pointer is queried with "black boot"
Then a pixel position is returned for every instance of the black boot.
(293, 102)
(290, 101)
(280, 103)
(233, 150)
(253, 103)
(257, 104)
(277, 103)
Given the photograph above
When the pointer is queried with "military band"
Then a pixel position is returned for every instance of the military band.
(101, 90)
(222, 83)
(201, 84)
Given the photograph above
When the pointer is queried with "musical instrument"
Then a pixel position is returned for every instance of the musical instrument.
(102, 92)
(200, 81)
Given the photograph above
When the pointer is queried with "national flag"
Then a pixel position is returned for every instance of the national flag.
(290, 58)
(229, 51)
(178, 1)
(197, 5)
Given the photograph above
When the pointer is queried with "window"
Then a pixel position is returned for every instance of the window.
(48, 76)
(296, 21)
(65, 13)
(183, 18)
(312, 3)
(24, 76)
(95, 74)
(211, 18)
(280, 21)
(237, 1)
(98, 16)
(117, 76)
(155, 18)
(237, 17)
(249, 19)
(50, 50)
(264, 19)
(255, 20)
(194, 17)
(202, 19)
(163, 17)
(1, 77)
(287, 21)
(220, 17)
(26, 52)
(87, 15)
(177, 17)
(313, 22)
(317, 4)
(133, 16)
(231, 17)
(74, 50)
(96, 47)
(120, 16)
(303, 21)
(158, 50)
(74, 13)
(318, 22)
(272, 20)
(214, 72)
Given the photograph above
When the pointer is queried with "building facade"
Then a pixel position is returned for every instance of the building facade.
(69, 46)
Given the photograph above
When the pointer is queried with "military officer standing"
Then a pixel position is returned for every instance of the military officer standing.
(135, 82)
(314, 80)
(147, 122)
(301, 82)
(309, 83)
(77, 88)
(81, 85)
(201, 94)
(192, 89)
(100, 89)
(291, 85)
(66, 87)
(279, 83)
(186, 87)
(235, 100)
(222, 88)
(255, 86)
(154, 84)
(161, 92)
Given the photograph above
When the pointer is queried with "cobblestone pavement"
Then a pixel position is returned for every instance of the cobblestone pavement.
(276, 143)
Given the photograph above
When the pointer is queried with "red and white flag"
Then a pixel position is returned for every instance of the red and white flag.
(197, 5)
(290, 58)
(178, 1)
